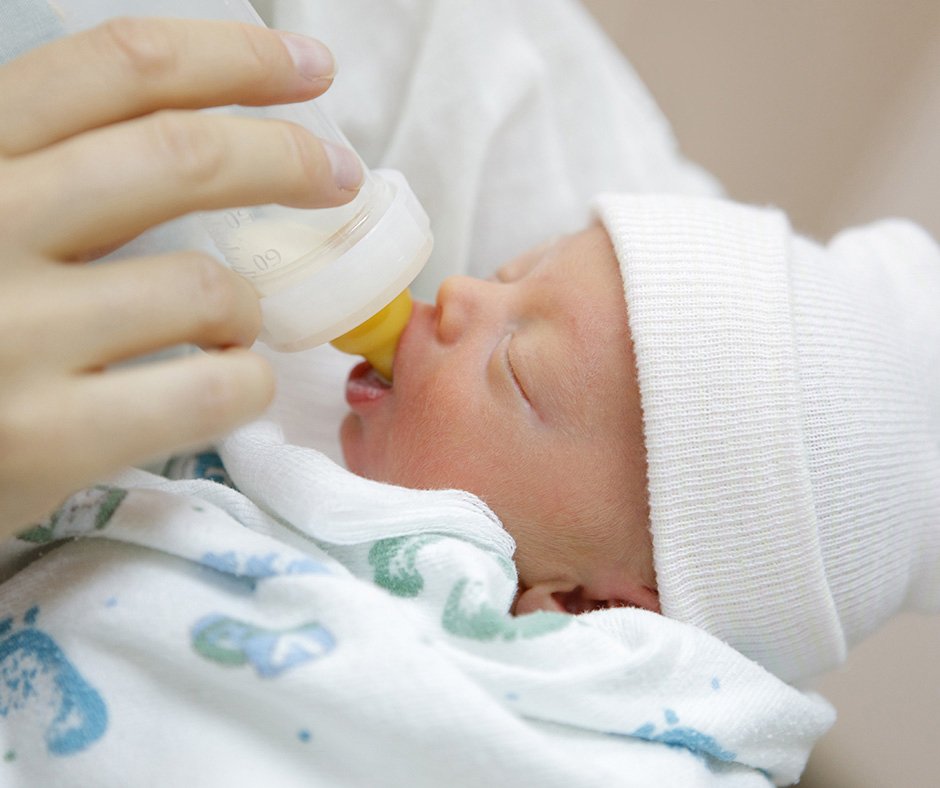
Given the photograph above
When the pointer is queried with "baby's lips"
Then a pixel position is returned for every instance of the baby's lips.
(365, 386)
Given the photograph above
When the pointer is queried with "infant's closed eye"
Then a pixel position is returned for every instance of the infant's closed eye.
(517, 382)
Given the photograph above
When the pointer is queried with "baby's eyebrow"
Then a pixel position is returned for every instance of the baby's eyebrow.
(518, 269)
(509, 272)
(566, 373)
(521, 266)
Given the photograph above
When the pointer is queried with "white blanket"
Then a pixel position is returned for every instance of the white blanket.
(321, 629)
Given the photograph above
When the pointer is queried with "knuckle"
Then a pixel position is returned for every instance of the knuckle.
(262, 377)
(216, 294)
(221, 400)
(18, 440)
(262, 59)
(11, 201)
(38, 465)
(143, 45)
(192, 145)
(24, 199)
(10, 440)
(239, 385)
(299, 147)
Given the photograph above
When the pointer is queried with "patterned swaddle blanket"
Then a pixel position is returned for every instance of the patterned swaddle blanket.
(312, 627)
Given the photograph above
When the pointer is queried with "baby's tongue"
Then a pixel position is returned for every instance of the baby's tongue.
(365, 384)
(377, 380)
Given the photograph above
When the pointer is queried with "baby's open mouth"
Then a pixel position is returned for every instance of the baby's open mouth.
(365, 384)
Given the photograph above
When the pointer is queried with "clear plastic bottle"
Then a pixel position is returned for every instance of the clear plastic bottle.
(321, 274)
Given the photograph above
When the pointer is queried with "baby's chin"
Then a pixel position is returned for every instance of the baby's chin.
(351, 440)
(360, 456)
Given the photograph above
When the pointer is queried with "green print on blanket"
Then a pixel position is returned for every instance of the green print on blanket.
(87, 510)
(229, 641)
(393, 562)
(468, 614)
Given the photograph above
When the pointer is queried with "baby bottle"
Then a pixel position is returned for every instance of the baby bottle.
(330, 274)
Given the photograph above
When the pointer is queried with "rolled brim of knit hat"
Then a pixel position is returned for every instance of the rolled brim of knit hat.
(742, 436)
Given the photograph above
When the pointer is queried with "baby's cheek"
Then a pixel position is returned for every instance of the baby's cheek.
(421, 457)
(440, 448)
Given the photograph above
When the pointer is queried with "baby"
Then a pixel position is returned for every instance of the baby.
(522, 390)
(767, 439)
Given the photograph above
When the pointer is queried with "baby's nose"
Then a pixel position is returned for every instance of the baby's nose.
(461, 300)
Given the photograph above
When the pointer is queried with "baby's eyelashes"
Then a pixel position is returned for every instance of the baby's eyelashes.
(517, 382)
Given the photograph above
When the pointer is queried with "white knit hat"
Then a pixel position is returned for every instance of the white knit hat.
(791, 406)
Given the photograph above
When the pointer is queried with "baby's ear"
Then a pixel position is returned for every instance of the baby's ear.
(564, 597)
(543, 596)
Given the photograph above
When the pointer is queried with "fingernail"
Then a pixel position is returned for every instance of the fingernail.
(312, 59)
(347, 171)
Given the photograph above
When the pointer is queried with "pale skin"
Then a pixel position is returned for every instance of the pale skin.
(522, 390)
(100, 140)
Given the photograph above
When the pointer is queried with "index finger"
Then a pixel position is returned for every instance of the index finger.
(129, 67)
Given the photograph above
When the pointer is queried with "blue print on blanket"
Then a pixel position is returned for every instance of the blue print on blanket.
(209, 465)
(698, 743)
(228, 641)
(201, 465)
(86, 511)
(37, 678)
(259, 567)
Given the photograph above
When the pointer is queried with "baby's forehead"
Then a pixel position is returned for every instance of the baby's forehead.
(586, 261)
(563, 256)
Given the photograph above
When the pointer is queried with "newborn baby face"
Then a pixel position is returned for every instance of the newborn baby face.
(522, 390)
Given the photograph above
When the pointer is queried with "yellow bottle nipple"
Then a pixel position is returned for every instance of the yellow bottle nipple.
(377, 338)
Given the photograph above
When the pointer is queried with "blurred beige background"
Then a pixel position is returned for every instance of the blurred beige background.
(829, 109)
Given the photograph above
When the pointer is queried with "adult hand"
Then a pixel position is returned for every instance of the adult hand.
(99, 141)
